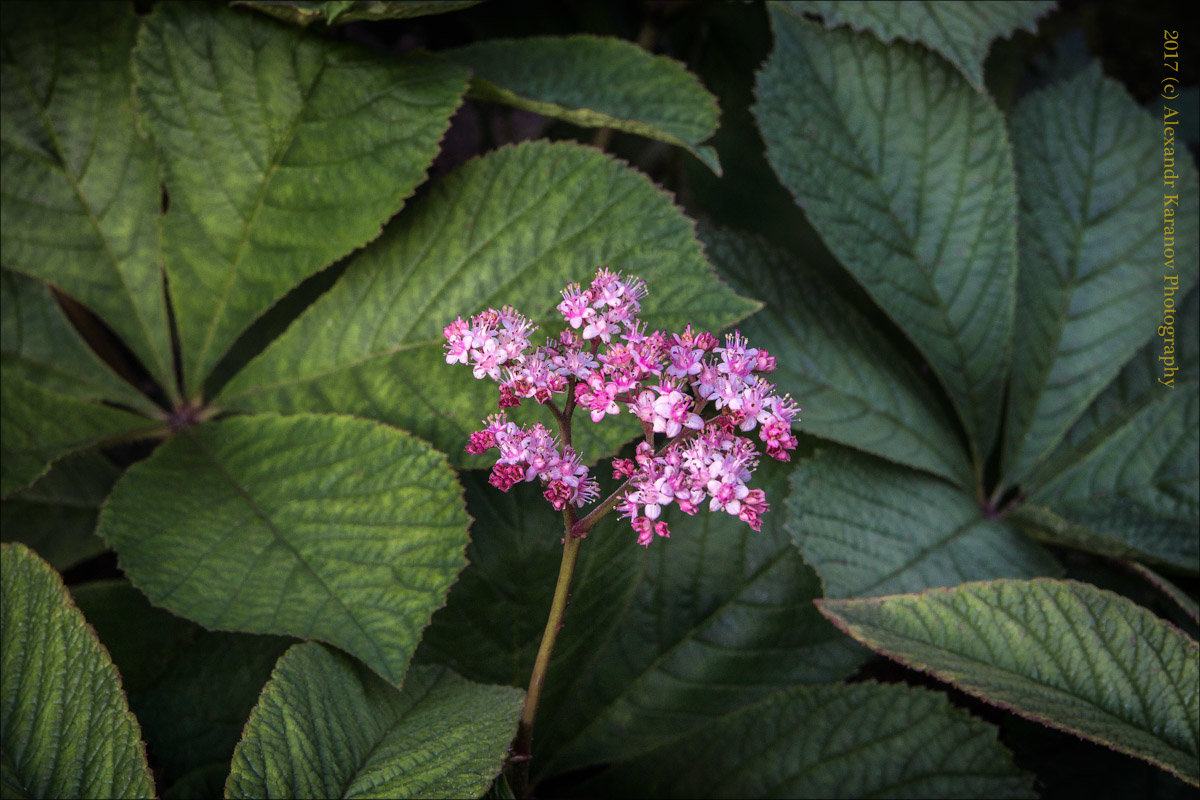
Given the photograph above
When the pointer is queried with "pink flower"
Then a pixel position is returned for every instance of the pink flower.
(673, 412)
(666, 382)
(575, 306)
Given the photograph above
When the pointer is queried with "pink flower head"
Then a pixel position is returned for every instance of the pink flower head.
(699, 402)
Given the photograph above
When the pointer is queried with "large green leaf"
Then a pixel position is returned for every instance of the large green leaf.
(961, 32)
(859, 740)
(38, 344)
(1089, 164)
(906, 173)
(596, 81)
(38, 427)
(1138, 480)
(56, 516)
(1064, 653)
(340, 12)
(713, 619)
(511, 228)
(1141, 383)
(266, 186)
(1125, 480)
(191, 689)
(326, 727)
(321, 527)
(868, 527)
(80, 188)
(855, 387)
(653, 643)
(67, 731)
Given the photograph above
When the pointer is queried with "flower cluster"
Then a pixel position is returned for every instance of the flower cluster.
(701, 395)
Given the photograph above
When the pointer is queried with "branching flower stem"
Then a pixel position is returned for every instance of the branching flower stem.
(574, 531)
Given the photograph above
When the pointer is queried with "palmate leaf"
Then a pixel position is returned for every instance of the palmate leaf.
(906, 173)
(67, 731)
(1091, 260)
(855, 387)
(1063, 653)
(340, 12)
(868, 528)
(510, 228)
(38, 427)
(859, 740)
(265, 186)
(191, 689)
(316, 526)
(596, 81)
(80, 188)
(961, 32)
(326, 727)
(38, 344)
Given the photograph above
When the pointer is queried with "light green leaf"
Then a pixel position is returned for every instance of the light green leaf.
(265, 185)
(513, 227)
(339, 12)
(1089, 164)
(706, 622)
(868, 528)
(38, 344)
(326, 727)
(321, 527)
(38, 427)
(596, 81)
(1062, 653)
(961, 32)
(855, 387)
(67, 731)
(906, 173)
(56, 516)
(80, 188)
(858, 740)
(191, 689)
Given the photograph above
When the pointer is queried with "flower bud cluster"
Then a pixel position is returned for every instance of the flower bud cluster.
(605, 361)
